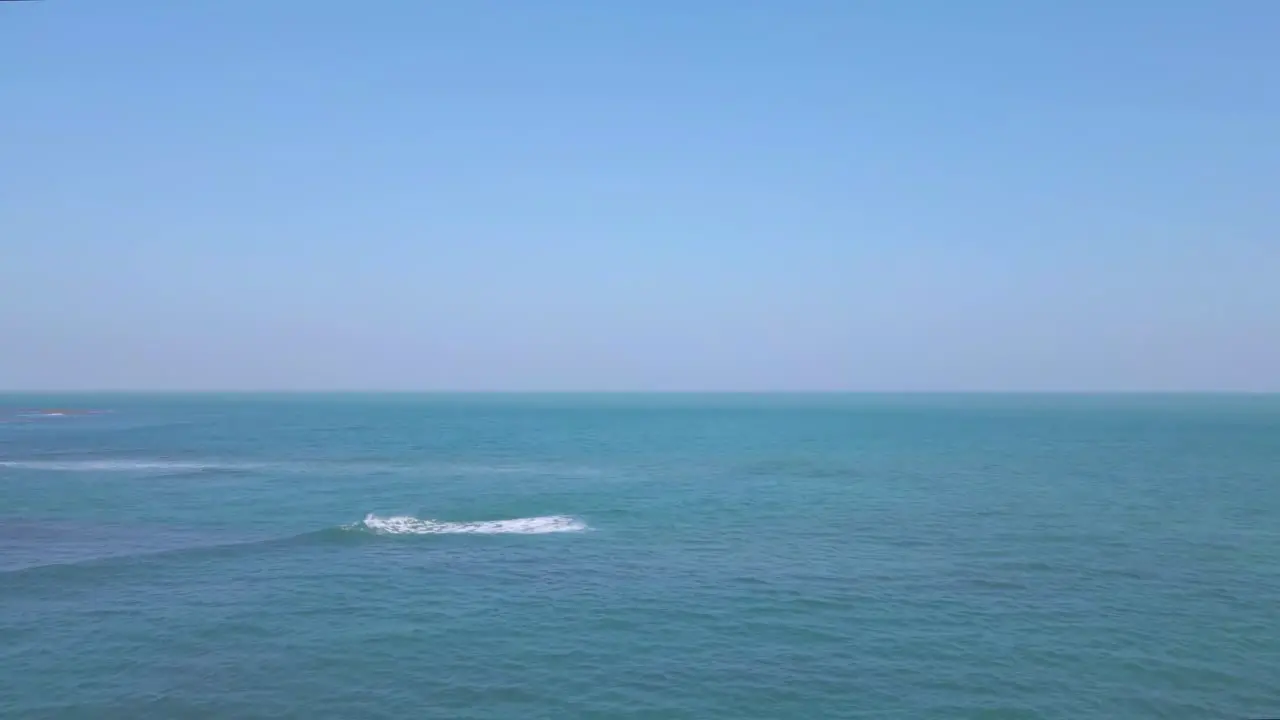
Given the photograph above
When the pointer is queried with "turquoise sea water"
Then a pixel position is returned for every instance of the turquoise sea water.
(503, 557)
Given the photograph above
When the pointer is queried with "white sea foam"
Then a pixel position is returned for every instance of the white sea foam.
(293, 466)
(163, 466)
(406, 525)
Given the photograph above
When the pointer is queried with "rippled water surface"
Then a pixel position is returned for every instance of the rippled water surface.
(496, 557)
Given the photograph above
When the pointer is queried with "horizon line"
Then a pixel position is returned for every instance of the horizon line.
(317, 391)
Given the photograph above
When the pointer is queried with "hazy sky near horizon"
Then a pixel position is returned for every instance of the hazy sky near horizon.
(712, 195)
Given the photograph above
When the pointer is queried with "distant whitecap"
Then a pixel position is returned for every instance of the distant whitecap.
(406, 525)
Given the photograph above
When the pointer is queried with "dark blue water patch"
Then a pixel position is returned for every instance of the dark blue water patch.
(795, 468)
(70, 551)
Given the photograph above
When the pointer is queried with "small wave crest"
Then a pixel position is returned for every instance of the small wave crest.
(148, 466)
(406, 525)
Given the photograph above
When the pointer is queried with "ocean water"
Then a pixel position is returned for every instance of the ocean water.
(503, 557)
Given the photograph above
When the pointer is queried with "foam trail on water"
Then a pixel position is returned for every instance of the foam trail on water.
(406, 525)
(123, 465)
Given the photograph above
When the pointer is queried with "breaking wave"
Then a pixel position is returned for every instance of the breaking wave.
(406, 525)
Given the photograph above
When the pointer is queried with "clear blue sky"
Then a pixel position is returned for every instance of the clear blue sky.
(659, 195)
